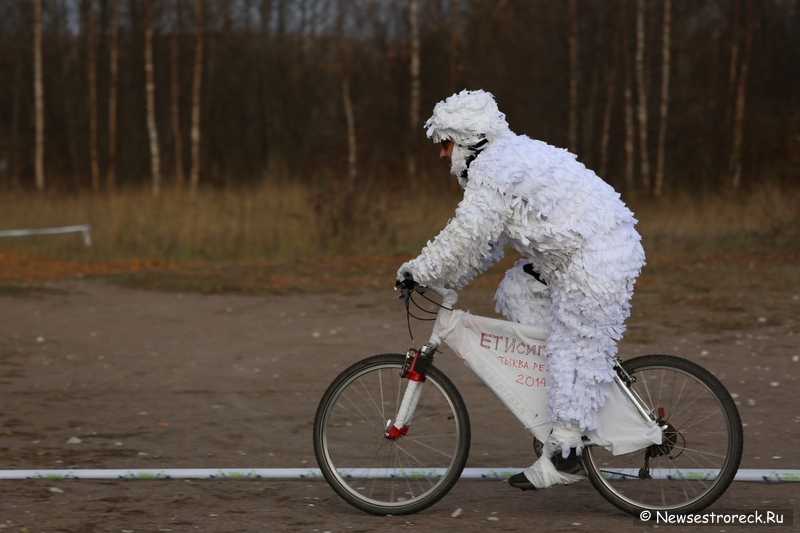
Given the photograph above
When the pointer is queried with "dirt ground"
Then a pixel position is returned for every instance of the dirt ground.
(166, 379)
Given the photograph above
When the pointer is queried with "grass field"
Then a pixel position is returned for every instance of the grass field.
(275, 222)
(292, 237)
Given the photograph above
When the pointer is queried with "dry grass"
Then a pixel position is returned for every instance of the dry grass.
(275, 222)
(293, 221)
(767, 218)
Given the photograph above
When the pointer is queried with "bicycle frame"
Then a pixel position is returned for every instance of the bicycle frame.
(624, 415)
(624, 381)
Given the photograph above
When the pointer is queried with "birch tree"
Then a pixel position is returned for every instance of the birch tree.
(275, 102)
(664, 109)
(345, 53)
(38, 91)
(175, 101)
(641, 91)
(629, 124)
(574, 75)
(413, 10)
(150, 90)
(197, 78)
(605, 135)
(66, 43)
(265, 101)
(733, 65)
(15, 118)
(453, 63)
(91, 56)
(351, 135)
(735, 162)
(113, 67)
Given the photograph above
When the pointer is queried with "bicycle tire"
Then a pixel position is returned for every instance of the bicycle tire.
(701, 449)
(390, 476)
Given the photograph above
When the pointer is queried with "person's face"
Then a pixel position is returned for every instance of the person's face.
(446, 152)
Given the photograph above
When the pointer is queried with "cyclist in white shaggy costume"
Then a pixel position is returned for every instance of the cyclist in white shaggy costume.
(573, 229)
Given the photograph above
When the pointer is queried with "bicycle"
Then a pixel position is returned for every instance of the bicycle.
(392, 433)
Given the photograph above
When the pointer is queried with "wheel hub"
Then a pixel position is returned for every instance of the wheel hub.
(669, 439)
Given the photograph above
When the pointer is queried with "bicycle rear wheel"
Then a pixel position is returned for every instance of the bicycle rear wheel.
(386, 476)
(701, 446)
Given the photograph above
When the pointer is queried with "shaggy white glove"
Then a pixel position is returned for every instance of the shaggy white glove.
(406, 270)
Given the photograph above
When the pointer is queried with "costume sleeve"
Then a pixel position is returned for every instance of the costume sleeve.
(471, 242)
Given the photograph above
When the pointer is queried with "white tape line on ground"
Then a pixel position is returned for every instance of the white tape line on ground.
(314, 473)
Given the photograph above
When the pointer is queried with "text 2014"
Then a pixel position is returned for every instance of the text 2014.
(530, 381)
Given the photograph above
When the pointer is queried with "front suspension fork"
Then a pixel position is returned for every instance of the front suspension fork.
(414, 368)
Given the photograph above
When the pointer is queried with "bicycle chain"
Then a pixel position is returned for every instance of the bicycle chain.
(619, 474)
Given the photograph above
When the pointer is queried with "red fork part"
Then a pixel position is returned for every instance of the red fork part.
(393, 432)
(661, 412)
(413, 375)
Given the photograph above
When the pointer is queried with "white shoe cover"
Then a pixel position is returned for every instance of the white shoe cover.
(543, 472)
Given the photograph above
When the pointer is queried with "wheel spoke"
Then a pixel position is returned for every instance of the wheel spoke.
(348, 437)
(703, 433)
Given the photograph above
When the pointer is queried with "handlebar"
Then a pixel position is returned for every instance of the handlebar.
(449, 296)
(408, 285)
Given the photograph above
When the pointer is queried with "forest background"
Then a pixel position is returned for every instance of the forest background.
(229, 130)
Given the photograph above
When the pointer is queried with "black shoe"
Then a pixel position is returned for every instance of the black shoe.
(519, 481)
(571, 465)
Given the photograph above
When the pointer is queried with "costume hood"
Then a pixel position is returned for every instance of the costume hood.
(466, 118)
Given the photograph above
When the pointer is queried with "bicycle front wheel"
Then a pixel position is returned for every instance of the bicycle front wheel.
(701, 444)
(384, 476)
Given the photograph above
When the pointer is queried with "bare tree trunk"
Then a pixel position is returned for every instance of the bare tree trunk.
(175, 103)
(15, 119)
(734, 64)
(641, 90)
(574, 75)
(265, 89)
(629, 126)
(66, 44)
(664, 111)
(415, 87)
(735, 164)
(345, 53)
(351, 135)
(730, 102)
(197, 79)
(453, 65)
(605, 136)
(91, 56)
(150, 90)
(589, 102)
(38, 90)
(111, 177)
(629, 135)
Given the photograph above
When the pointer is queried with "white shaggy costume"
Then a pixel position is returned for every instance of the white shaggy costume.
(566, 222)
